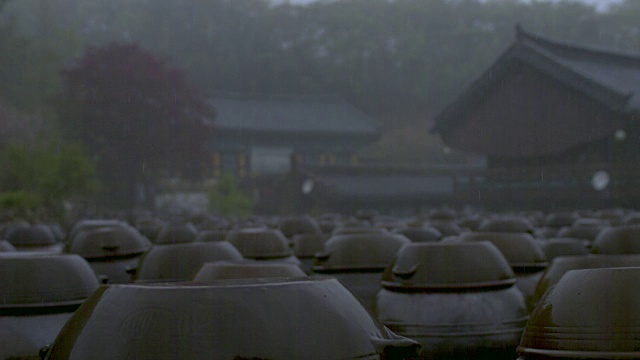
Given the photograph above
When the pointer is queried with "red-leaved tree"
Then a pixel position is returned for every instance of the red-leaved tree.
(139, 117)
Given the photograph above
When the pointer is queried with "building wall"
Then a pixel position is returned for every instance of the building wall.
(529, 115)
(250, 155)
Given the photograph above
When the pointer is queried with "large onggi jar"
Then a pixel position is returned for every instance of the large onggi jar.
(113, 251)
(358, 260)
(589, 314)
(39, 293)
(459, 300)
(300, 318)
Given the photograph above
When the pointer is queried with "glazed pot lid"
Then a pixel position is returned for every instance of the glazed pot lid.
(161, 262)
(348, 230)
(260, 243)
(520, 249)
(560, 219)
(562, 264)
(44, 280)
(92, 224)
(225, 320)
(294, 225)
(448, 266)
(420, 234)
(176, 233)
(579, 232)
(617, 240)
(359, 252)
(225, 270)
(555, 247)
(109, 241)
(588, 314)
(507, 224)
(31, 235)
(446, 228)
(307, 245)
(6, 246)
(211, 235)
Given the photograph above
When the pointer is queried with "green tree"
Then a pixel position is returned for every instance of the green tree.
(45, 175)
(226, 199)
(138, 116)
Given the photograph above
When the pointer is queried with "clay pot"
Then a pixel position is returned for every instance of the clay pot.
(458, 300)
(211, 235)
(561, 265)
(421, 234)
(348, 230)
(252, 319)
(446, 214)
(631, 219)
(92, 224)
(507, 224)
(471, 223)
(39, 238)
(180, 262)
(618, 240)
(560, 219)
(263, 244)
(523, 253)
(588, 314)
(223, 270)
(112, 251)
(39, 295)
(6, 246)
(555, 247)
(358, 261)
(149, 227)
(613, 216)
(446, 228)
(580, 232)
(294, 225)
(176, 233)
(305, 247)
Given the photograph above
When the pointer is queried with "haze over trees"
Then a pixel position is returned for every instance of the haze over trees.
(399, 61)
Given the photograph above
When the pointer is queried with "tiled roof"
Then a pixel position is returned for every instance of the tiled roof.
(292, 114)
(394, 183)
(609, 78)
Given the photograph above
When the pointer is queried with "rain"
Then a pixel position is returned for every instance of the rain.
(319, 179)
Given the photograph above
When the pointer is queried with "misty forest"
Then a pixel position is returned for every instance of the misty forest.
(398, 61)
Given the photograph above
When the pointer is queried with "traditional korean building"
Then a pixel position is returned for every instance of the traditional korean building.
(558, 124)
(389, 189)
(259, 135)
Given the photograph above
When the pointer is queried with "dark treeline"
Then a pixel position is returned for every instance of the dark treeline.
(399, 61)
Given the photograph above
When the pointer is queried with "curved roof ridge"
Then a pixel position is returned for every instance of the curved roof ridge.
(279, 96)
(560, 48)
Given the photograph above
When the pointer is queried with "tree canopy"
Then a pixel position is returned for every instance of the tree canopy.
(137, 115)
(399, 61)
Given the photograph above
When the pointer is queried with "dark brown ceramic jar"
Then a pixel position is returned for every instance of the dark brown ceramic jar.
(180, 262)
(561, 265)
(256, 319)
(617, 240)
(458, 300)
(176, 233)
(36, 238)
(555, 247)
(523, 253)
(306, 246)
(113, 251)
(225, 270)
(262, 244)
(358, 261)
(39, 294)
(588, 314)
